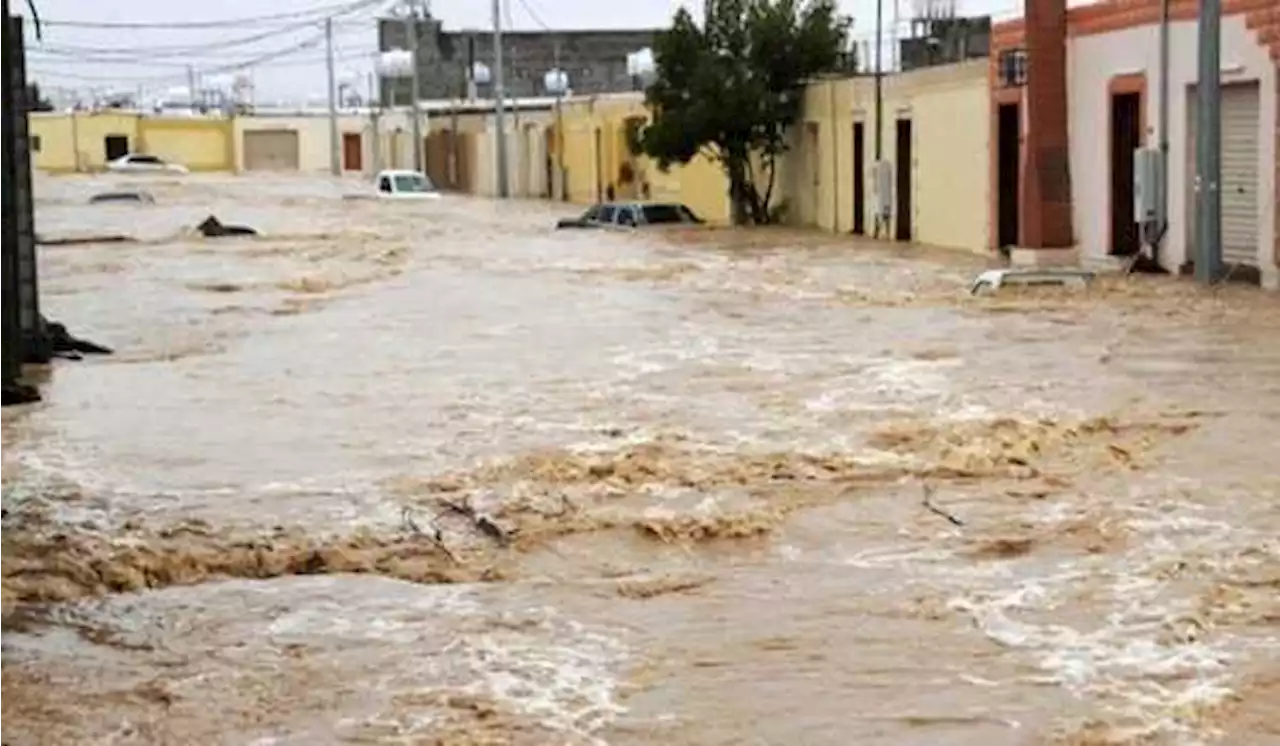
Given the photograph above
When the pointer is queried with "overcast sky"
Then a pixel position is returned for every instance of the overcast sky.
(84, 58)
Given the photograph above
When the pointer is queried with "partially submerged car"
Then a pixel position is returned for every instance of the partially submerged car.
(134, 196)
(143, 163)
(402, 184)
(632, 215)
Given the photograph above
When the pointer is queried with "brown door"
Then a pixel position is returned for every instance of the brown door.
(351, 152)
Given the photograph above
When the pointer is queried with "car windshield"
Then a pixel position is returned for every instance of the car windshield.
(144, 159)
(606, 213)
(591, 214)
(413, 183)
(659, 214)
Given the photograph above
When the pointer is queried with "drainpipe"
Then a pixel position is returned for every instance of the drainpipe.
(1162, 204)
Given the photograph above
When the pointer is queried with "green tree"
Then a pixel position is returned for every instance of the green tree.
(731, 87)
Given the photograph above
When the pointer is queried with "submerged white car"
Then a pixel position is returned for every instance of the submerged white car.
(399, 184)
(141, 163)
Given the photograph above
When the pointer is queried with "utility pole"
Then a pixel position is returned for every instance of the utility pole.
(375, 137)
(499, 93)
(1209, 145)
(411, 31)
(879, 132)
(335, 162)
(191, 87)
(1162, 205)
(879, 77)
(559, 175)
(10, 303)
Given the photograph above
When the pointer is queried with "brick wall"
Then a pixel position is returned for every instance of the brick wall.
(595, 61)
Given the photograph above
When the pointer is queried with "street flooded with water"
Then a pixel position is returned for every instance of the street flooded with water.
(435, 473)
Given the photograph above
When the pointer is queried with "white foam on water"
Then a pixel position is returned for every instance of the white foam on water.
(1126, 660)
(566, 677)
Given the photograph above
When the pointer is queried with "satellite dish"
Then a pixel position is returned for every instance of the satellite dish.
(398, 63)
(480, 73)
(556, 81)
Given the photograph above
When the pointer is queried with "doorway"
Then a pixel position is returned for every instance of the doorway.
(549, 150)
(859, 179)
(902, 217)
(1008, 157)
(351, 152)
(115, 146)
(1126, 137)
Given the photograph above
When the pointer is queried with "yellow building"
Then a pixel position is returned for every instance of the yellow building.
(65, 142)
(596, 136)
(935, 135)
(200, 144)
(81, 141)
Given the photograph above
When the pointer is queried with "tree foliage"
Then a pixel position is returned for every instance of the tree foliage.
(731, 87)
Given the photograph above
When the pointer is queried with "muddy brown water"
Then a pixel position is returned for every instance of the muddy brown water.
(435, 473)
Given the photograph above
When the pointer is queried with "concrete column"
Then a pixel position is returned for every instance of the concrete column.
(1046, 180)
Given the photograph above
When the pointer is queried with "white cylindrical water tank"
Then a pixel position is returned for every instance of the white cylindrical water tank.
(480, 73)
(398, 63)
(556, 81)
(640, 64)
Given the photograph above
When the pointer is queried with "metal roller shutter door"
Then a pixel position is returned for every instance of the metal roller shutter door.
(271, 150)
(1240, 163)
(1241, 111)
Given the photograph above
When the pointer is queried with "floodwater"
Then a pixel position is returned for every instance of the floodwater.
(434, 473)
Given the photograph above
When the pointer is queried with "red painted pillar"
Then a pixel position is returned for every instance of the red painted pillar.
(1046, 178)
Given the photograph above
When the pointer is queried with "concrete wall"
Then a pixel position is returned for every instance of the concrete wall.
(75, 141)
(313, 137)
(1095, 60)
(526, 154)
(947, 107)
(198, 144)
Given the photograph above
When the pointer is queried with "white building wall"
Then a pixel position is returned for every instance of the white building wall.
(313, 137)
(1094, 60)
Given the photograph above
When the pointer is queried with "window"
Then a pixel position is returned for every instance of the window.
(384, 184)
(659, 214)
(627, 216)
(35, 143)
(591, 214)
(607, 213)
(414, 183)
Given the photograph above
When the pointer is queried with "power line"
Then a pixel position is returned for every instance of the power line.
(167, 50)
(314, 13)
(157, 56)
(528, 9)
(232, 67)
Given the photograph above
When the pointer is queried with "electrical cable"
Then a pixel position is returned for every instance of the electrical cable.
(528, 9)
(163, 58)
(315, 13)
(113, 54)
(232, 67)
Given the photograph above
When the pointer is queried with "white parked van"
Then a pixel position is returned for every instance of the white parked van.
(399, 184)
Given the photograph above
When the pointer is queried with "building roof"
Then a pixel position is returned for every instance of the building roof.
(1261, 17)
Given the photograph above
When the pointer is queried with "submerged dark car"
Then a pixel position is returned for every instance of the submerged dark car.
(632, 215)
